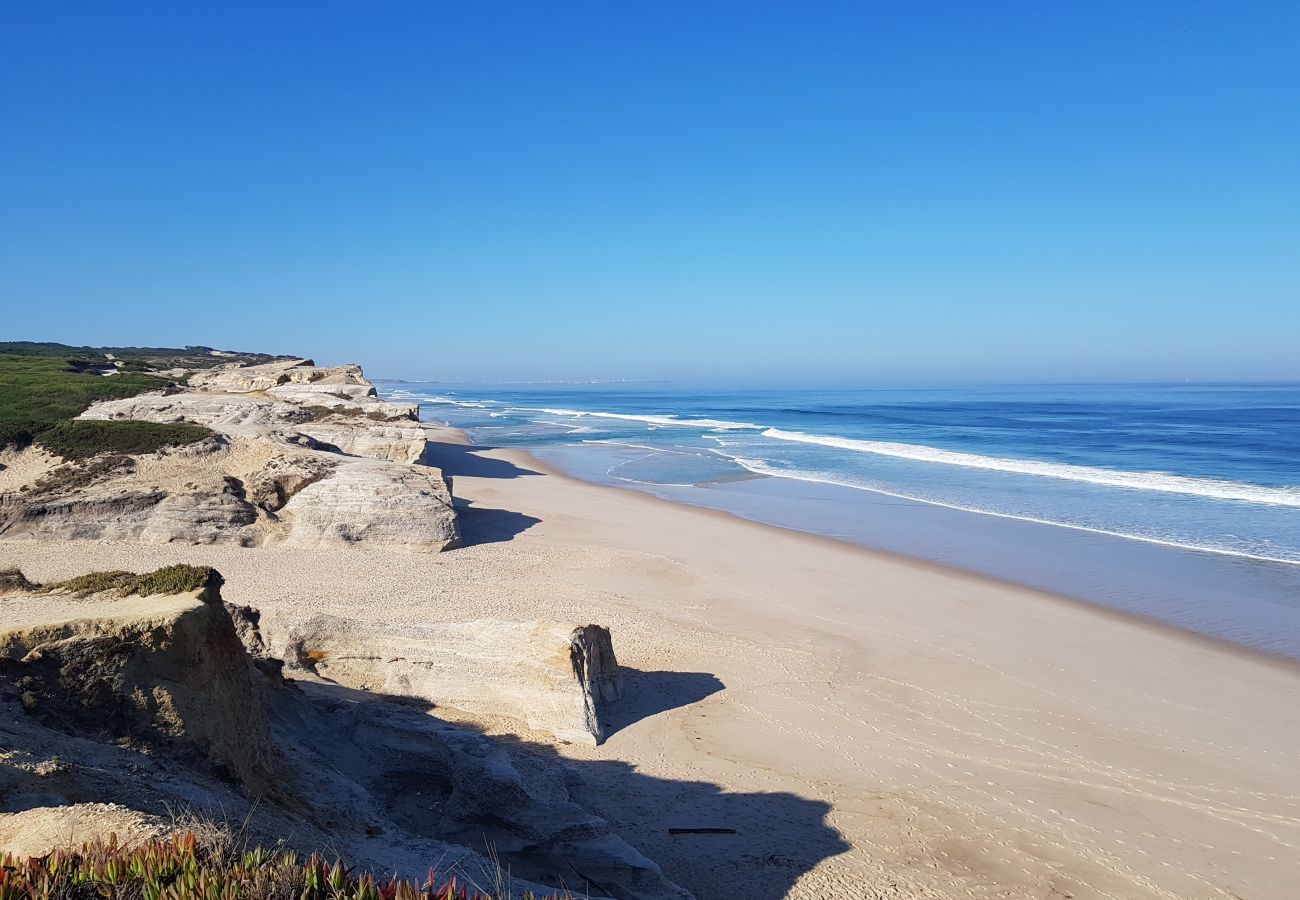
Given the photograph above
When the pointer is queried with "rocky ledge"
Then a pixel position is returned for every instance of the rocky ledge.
(561, 679)
(300, 454)
(115, 712)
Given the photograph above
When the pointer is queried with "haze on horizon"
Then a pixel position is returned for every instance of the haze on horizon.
(767, 194)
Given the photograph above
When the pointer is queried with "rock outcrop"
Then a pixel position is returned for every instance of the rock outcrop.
(161, 672)
(149, 704)
(247, 379)
(390, 442)
(226, 413)
(302, 455)
(557, 678)
(595, 668)
(375, 502)
(180, 496)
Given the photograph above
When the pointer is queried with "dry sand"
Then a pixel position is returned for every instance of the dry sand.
(869, 725)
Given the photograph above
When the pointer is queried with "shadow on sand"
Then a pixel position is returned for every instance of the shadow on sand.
(647, 694)
(716, 842)
(393, 764)
(481, 525)
(464, 459)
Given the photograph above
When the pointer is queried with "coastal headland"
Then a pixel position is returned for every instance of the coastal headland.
(793, 716)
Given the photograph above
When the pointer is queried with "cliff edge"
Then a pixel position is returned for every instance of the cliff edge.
(297, 454)
(117, 709)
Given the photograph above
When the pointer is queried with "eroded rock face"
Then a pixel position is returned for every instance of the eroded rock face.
(219, 412)
(302, 372)
(162, 672)
(553, 676)
(213, 514)
(241, 379)
(283, 478)
(306, 392)
(349, 373)
(375, 502)
(591, 651)
(390, 442)
(450, 784)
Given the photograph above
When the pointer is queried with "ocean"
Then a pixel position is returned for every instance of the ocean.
(1177, 502)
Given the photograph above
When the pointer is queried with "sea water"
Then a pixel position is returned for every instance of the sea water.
(1179, 502)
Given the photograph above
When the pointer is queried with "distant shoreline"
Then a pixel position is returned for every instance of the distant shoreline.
(1182, 562)
(529, 459)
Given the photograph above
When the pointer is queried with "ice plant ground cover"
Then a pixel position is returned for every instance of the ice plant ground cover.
(181, 868)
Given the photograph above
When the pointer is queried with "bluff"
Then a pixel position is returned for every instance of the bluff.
(297, 454)
(115, 710)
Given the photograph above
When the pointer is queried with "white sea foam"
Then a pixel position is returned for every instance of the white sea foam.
(1142, 481)
(701, 452)
(761, 467)
(716, 424)
(449, 401)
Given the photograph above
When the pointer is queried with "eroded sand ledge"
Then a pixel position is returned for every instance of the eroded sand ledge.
(868, 725)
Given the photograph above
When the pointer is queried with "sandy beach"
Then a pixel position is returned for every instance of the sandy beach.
(869, 726)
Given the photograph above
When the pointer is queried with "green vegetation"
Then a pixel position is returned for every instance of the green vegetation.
(75, 475)
(316, 413)
(140, 358)
(177, 579)
(182, 868)
(93, 583)
(40, 396)
(80, 439)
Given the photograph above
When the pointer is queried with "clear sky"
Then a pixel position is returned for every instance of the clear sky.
(775, 193)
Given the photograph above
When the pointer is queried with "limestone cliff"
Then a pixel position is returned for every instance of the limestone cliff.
(300, 455)
(553, 676)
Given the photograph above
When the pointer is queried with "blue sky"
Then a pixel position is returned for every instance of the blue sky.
(774, 193)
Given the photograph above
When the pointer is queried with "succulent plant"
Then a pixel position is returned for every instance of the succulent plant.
(179, 868)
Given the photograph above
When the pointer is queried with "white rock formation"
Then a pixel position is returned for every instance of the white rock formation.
(376, 502)
(221, 412)
(396, 443)
(241, 379)
(556, 677)
(305, 455)
(302, 372)
(251, 413)
(304, 392)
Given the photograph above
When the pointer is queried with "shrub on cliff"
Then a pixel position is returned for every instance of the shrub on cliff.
(83, 438)
(178, 579)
